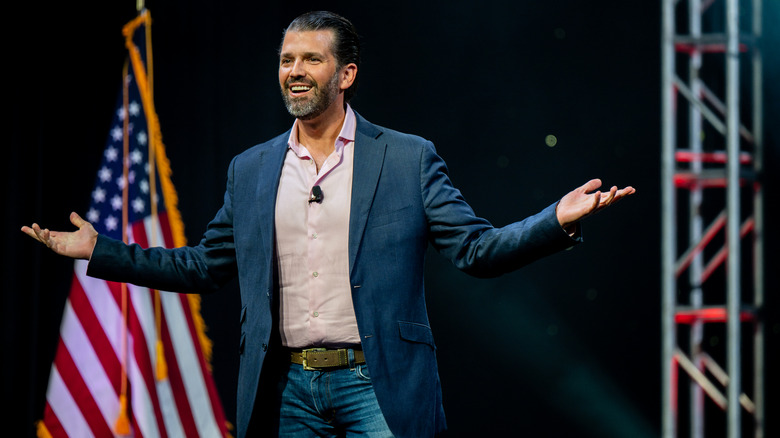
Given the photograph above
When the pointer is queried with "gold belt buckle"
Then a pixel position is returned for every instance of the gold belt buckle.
(304, 355)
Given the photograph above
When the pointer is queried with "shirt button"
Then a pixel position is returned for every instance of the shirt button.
(316, 314)
(316, 274)
(314, 236)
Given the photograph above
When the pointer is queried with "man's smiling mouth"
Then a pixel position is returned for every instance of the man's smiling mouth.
(299, 89)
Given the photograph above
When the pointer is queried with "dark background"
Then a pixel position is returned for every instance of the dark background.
(569, 346)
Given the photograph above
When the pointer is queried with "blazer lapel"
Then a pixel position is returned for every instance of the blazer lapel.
(368, 161)
(269, 165)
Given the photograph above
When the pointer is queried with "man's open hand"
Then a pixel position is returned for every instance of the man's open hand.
(76, 244)
(583, 202)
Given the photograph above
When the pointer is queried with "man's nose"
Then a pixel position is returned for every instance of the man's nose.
(297, 69)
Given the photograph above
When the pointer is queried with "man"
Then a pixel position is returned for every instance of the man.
(326, 227)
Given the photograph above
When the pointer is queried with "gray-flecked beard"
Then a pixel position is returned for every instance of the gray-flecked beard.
(307, 109)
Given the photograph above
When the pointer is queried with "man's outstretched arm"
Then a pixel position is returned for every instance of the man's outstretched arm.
(76, 244)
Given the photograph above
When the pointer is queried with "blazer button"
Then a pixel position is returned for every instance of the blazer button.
(265, 347)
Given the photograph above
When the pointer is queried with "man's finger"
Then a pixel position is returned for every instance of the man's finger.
(610, 196)
(76, 220)
(30, 232)
(596, 201)
(38, 232)
(45, 236)
(624, 192)
(591, 185)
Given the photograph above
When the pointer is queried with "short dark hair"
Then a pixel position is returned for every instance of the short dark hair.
(346, 43)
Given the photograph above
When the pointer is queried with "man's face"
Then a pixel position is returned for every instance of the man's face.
(308, 73)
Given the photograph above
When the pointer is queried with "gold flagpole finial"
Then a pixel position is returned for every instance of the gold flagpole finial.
(139, 5)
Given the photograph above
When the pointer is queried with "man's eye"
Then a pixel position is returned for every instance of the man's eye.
(314, 60)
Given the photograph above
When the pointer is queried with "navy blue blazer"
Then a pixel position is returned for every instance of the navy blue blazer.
(402, 199)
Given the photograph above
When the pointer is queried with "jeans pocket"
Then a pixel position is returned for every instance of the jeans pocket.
(361, 371)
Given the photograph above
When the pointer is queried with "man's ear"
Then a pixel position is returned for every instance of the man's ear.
(348, 76)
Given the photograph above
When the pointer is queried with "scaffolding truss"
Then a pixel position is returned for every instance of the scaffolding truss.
(712, 209)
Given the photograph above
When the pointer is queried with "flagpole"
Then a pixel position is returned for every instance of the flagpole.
(122, 426)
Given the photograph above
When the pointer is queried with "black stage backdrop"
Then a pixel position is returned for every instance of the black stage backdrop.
(569, 346)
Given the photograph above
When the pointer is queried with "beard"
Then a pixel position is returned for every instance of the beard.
(309, 107)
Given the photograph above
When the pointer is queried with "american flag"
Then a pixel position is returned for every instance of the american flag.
(132, 361)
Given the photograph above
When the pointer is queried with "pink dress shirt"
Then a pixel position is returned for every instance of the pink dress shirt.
(311, 245)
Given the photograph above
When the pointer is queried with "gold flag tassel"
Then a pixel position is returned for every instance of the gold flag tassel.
(122, 425)
(162, 366)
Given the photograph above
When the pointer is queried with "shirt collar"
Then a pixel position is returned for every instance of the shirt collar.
(346, 135)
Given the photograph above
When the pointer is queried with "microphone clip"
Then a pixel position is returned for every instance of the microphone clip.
(316, 195)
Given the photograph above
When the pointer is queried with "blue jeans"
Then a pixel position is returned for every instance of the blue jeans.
(334, 403)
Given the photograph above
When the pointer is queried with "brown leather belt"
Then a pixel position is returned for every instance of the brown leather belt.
(323, 358)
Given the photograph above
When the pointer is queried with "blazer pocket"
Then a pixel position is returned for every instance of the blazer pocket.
(242, 341)
(379, 219)
(415, 332)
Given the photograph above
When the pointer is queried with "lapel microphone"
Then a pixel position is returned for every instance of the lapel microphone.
(316, 195)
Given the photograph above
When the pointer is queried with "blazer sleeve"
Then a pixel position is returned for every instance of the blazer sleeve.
(202, 268)
(471, 243)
